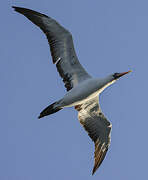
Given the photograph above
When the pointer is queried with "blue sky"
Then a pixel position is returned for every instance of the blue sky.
(109, 36)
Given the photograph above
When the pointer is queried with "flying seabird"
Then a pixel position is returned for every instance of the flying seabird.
(82, 90)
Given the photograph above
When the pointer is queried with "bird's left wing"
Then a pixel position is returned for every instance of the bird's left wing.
(61, 47)
(97, 126)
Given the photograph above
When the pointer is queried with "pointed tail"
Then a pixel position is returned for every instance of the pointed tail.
(50, 110)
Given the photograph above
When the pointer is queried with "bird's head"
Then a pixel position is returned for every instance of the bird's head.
(116, 76)
(113, 77)
(107, 81)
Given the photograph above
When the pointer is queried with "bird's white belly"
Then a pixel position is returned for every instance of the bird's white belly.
(83, 92)
(95, 94)
(79, 96)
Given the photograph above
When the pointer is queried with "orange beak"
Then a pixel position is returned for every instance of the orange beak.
(122, 74)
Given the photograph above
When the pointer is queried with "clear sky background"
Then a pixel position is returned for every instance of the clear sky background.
(109, 36)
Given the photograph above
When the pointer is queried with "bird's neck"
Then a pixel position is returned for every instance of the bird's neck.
(104, 83)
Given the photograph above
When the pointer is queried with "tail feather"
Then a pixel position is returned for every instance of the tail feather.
(49, 110)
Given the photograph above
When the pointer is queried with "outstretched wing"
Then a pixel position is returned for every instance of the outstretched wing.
(98, 128)
(61, 47)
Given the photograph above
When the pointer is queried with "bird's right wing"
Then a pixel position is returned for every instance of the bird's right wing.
(61, 47)
(98, 128)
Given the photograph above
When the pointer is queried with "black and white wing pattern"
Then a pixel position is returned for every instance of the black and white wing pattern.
(97, 126)
(61, 47)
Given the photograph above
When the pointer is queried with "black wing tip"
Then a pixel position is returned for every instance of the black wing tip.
(99, 157)
(94, 170)
(19, 9)
(14, 7)
(39, 117)
(27, 11)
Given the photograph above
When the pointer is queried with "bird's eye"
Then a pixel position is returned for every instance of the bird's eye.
(115, 75)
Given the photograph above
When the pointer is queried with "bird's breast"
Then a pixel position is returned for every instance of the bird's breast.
(81, 93)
